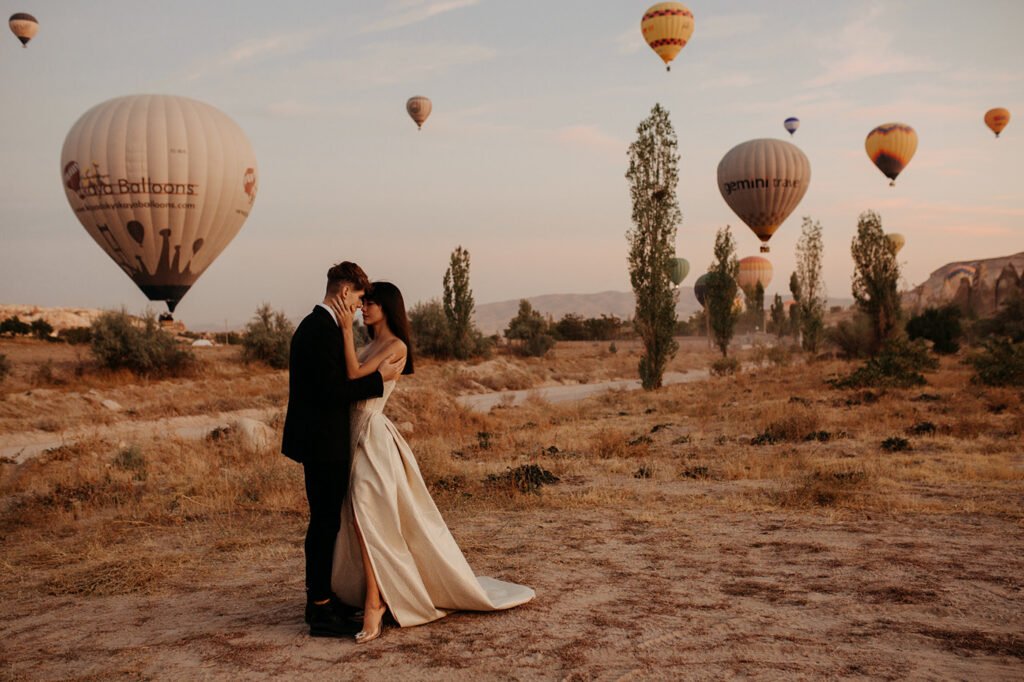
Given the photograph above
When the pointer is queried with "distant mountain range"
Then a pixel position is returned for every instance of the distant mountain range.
(492, 318)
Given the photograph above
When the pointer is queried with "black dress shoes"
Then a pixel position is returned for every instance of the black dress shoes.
(325, 621)
(340, 607)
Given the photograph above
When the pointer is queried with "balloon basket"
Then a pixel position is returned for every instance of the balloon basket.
(765, 248)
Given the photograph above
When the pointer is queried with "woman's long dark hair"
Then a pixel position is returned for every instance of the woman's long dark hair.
(389, 298)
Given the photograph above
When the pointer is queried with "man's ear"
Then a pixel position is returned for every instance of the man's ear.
(344, 292)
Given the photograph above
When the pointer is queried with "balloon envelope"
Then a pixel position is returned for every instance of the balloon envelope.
(419, 109)
(791, 124)
(896, 241)
(754, 269)
(890, 147)
(24, 26)
(667, 27)
(763, 181)
(678, 270)
(700, 289)
(996, 119)
(162, 184)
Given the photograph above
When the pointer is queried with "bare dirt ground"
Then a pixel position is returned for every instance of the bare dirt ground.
(672, 547)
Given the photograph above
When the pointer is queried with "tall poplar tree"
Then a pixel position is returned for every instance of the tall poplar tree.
(876, 278)
(458, 305)
(653, 174)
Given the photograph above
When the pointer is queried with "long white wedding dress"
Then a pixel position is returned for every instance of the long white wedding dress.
(420, 570)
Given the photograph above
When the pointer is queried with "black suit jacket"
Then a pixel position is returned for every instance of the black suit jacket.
(316, 426)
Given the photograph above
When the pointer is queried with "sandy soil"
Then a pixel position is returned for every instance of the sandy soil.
(638, 592)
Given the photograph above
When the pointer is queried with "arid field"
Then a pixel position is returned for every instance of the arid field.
(764, 525)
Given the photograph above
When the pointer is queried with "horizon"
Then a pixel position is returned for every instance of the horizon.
(523, 158)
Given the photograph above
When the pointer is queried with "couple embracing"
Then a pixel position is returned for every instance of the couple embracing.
(376, 543)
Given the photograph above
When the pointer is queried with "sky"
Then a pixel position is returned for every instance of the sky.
(522, 161)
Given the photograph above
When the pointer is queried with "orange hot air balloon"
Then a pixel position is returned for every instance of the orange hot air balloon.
(24, 26)
(890, 147)
(996, 119)
(667, 27)
(763, 181)
(754, 269)
(419, 109)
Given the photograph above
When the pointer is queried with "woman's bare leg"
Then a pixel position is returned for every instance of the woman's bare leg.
(373, 605)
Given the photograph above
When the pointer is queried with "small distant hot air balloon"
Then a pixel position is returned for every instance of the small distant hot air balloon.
(959, 272)
(996, 119)
(162, 184)
(754, 269)
(891, 146)
(791, 124)
(419, 108)
(896, 241)
(667, 27)
(700, 289)
(24, 26)
(763, 181)
(678, 270)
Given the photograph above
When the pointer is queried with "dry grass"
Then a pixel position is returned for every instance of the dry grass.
(157, 516)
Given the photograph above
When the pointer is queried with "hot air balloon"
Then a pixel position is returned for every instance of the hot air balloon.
(678, 270)
(896, 241)
(959, 272)
(791, 124)
(667, 27)
(996, 119)
(419, 108)
(162, 184)
(891, 146)
(700, 289)
(24, 26)
(754, 269)
(763, 181)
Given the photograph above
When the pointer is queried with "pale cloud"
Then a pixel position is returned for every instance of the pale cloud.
(293, 108)
(949, 207)
(389, 64)
(411, 12)
(726, 81)
(862, 49)
(253, 50)
(630, 41)
(726, 26)
(590, 137)
(978, 230)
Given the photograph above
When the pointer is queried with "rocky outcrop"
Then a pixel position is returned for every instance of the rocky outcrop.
(976, 287)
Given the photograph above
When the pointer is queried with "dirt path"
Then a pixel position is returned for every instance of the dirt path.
(641, 592)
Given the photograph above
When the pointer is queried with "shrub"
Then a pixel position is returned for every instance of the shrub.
(15, 327)
(41, 329)
(120, 342)
(531, 329)
(1000, 362)
(267, 338)
(527, 478)
(899, 365)
(726, 366)
(853, 338)
(5, 367)
(76, 335)
(941, 326)
(430, 332)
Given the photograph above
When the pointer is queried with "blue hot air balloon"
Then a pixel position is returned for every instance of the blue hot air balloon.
(791, 123)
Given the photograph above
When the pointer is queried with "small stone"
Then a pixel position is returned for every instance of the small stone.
(111, 405)
(255, 435)
(405, 427)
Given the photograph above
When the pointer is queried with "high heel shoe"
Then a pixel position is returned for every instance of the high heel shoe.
(364, 636)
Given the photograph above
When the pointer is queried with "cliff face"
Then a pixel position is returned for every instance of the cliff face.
(977, 287)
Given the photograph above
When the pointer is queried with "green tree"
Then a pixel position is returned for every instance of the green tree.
(778, 317)
(458, 305)
(721, 290)
(875, 279)
(794, 310)
(653, 175)
(120, 342)
(15, 327)
(809, 253)
(41, 329)
(530, 329)
(267, 338)
(430, 329)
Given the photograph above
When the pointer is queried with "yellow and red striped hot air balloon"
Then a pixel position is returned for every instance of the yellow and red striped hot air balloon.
(419, 108)
(891, 146)
(667, 26)
(24, 26)
(996, 119)
(754, 270)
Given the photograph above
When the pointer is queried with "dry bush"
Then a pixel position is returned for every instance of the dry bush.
(788, 422)
(824, 488)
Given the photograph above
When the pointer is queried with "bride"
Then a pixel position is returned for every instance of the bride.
(390, 527)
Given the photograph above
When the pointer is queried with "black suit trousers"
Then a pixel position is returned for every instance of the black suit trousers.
(326, 484)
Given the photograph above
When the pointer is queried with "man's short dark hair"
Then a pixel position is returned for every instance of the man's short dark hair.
(346, 273)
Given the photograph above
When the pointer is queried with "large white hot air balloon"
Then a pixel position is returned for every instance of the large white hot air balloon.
(763, 181)
(162, 184)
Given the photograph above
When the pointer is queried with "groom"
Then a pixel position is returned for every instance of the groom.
(317, 434)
